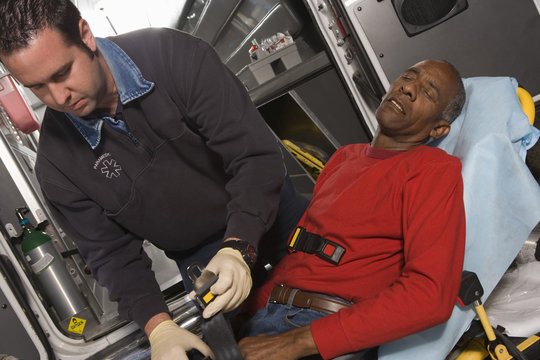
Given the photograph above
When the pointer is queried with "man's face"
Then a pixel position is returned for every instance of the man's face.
(64, 76)
(416, 101)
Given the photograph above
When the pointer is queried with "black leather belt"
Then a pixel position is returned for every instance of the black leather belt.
(311, 243)
(284, 295)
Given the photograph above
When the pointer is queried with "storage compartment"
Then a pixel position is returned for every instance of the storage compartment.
(298, 127)
(317, 116)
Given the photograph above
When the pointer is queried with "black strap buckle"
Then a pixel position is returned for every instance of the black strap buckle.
(311, 243)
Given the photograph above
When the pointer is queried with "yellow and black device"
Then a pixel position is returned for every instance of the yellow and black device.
(297, 232)
(217, 331)
(202, 282)
(495, 345)
(311, 243)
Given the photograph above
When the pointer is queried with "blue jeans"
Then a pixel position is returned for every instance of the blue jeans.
(277, 318)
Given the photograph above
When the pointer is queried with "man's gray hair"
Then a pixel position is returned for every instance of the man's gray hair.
(454, 107)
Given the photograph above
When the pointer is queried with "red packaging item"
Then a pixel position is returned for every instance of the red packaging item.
(16, 107)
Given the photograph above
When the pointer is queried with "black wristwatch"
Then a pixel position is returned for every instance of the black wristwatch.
(246, 249)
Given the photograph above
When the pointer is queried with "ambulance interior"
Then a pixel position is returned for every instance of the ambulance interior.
(316, 95)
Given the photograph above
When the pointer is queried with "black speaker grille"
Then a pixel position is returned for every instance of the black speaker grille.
(424, 12)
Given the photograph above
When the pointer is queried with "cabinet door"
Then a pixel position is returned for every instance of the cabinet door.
(20, 334)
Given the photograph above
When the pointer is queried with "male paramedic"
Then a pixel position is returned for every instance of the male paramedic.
(147, 136)
(378, 253)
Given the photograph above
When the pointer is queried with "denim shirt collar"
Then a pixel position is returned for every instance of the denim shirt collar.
(130, 85)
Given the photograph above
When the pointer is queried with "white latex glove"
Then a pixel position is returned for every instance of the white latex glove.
(168, 341)
(234, 282)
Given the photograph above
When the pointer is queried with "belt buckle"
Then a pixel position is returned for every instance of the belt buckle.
(297, 235)
(331, 251)
(274, 300)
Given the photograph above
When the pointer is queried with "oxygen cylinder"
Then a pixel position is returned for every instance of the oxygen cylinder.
(50, 270)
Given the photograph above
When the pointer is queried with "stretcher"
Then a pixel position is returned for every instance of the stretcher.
(483, 340)
(489, 342)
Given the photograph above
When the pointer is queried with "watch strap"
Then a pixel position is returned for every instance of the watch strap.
(249, 254)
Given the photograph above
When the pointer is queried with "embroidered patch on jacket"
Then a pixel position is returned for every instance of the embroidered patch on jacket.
(108, 166)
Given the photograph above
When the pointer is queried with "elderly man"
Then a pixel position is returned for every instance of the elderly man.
(378, 254)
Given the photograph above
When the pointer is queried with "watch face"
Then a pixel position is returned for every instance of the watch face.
(251, 252)
(246, 249)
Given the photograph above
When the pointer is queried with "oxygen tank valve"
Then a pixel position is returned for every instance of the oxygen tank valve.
(20, 212)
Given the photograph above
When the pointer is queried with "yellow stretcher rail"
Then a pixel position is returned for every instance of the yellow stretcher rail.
(527, 103)
(303, 156)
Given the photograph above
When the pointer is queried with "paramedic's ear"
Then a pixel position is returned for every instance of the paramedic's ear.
(441, 128)
(87, 36)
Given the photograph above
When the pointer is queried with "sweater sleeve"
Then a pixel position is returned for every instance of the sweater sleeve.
(218, 105)
(433, 221)
(114, 256)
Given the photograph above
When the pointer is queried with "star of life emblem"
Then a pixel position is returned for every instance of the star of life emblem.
(111, 169)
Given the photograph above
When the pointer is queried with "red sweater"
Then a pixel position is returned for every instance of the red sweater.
(400, 217)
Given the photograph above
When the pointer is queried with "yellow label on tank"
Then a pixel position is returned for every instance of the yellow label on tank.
(76, 325)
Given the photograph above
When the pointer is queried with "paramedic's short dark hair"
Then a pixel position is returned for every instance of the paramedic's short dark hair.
(454, 107)
(21, 20)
